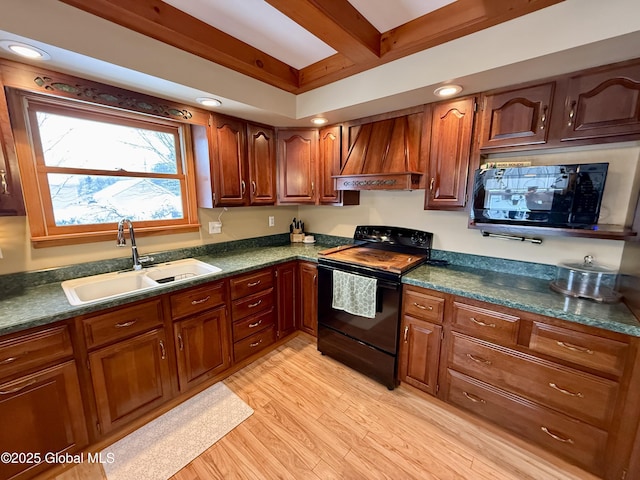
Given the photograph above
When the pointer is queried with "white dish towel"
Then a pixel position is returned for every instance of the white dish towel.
(354, 294)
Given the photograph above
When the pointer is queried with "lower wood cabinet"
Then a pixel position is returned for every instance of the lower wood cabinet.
(420, 354)
(42, 413)
(202, 347)
(286, 281)
(308, 287)
(130, 378)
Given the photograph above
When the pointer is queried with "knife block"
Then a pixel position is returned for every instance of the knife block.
(297, 235)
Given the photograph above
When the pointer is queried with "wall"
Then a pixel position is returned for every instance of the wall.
(405, 209)
(237, 224)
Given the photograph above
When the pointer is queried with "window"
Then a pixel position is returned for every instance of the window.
(87, 167)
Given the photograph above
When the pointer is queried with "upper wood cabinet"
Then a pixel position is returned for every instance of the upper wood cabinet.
(297, 166)
(449, 153)
(516, 117)
(592, 106)
(235, 163)
(602, 103)
(11, 201)
(330, 156)
(261, 156)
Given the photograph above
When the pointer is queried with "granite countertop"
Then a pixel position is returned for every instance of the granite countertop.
(44, 304)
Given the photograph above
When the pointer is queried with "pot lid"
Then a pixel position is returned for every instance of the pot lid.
(588, 266)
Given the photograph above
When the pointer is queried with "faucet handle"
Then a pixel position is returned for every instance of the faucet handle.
(145, 259)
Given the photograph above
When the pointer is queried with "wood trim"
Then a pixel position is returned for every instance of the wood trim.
(360, 46)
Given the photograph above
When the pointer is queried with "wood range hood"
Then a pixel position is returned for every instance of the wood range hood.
(384, 156)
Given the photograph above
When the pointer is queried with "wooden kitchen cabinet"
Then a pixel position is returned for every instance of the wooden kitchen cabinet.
(330, 163)
(11, 200)
(602, 103)
(202, 347)
(297, 166)
(449, 154)
(515, 117)
(286, 286)
(235, 163)
(253, 312)
(261, 156)
(201, 333)
(308, 305)
(421, 330)
(40, 400)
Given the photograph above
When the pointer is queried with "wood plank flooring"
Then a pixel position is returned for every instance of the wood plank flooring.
(317, 419)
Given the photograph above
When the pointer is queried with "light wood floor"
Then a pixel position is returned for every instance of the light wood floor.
(317, 419)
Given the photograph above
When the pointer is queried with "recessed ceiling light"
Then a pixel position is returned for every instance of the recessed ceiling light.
(24, 50)
(447, 90)
(319, 120)
(209, 102)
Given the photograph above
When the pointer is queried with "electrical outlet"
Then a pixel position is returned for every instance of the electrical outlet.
(272, 221)
(215, 227)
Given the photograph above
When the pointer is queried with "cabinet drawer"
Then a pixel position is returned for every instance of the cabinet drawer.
(603, 354)
(487, 324)
(254, 343)
(253, 324)
(252, 304)
(565, 436)
(422, 306)
(251, 283)
(32, 350)
(122, 323)
(198, 299)
(575, 393)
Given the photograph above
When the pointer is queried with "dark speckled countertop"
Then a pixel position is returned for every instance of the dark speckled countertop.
(47, 303)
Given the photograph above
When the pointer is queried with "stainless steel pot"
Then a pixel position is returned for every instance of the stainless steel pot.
(587, 280)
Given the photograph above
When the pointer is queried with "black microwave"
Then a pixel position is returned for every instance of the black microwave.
(552, 196)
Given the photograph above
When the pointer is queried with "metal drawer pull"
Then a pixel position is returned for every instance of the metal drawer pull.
(6, 361)
(180, 342)
(254, 325)
(478, 360)
(481, 323)
(473, 398)
(253, 187)
(255, 344)
(575, 348)
(163, 351)
(556, 437)
(202, 300)
(253, 284)
(253, 305)
(125, 324)
(566, 392)
(406, 333)
(422, 307)
(17, 389)
(4, 185)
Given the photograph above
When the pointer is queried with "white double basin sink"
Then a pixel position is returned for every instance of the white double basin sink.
(80, 291)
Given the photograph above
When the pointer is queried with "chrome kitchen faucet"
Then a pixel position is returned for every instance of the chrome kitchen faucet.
(122, 242)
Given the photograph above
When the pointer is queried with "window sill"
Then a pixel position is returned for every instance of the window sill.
(103, 236)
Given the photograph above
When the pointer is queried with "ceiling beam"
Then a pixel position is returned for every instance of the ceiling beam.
(452, 21)
(169, 25)
(337, 23)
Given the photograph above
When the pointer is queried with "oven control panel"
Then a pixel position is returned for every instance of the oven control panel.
(398, 236)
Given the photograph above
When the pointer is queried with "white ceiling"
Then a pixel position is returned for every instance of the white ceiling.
(565, 37)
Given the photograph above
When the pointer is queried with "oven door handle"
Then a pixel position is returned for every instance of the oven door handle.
(380, 282)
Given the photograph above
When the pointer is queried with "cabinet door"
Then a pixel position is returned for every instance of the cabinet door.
(228, 160)
(41, 413)
(202, 343)
(297, 159)
(130, 378)
(287, 280)
(604, 103)
(309, 298)
(11, 201)
(452, 125)
(517, 117)
(420, 354)
(330, 157)
(261, 153)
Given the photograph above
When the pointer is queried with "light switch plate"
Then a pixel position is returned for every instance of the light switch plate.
(272, 221)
